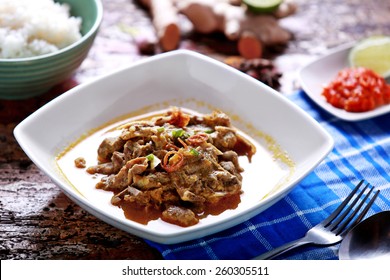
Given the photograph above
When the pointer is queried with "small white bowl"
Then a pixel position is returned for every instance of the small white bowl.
(187, 79)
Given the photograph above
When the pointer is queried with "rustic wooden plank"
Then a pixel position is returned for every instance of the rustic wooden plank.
(39, 222)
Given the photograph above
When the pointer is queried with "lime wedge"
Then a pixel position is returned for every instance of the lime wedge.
(262, 6)
(372, 53)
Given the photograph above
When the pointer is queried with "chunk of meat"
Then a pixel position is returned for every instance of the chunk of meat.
(125, 175)
(134, 149)
(108, 147)
(107, 168)
(138, 130)
(217, 118)
(179, 216)
(224, 138)
(232, 156)
(151, 181)
(80, 162)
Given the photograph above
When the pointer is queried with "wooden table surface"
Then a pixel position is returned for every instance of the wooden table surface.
(37, 221)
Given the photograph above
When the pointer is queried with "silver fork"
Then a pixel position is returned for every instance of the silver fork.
(332, 230)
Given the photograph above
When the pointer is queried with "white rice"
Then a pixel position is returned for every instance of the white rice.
(35, 27)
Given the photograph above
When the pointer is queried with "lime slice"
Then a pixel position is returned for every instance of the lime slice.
(262, 6)
(372, 53)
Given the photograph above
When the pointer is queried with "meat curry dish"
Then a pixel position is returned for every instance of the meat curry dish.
(176, 166)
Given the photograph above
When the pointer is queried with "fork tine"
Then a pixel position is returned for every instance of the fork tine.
(332, 216)
(336, 222)
(368, 206)
(343, 229)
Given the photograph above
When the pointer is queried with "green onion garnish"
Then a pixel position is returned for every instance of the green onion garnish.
(177, 133)
(194, 152)
(154, 161)
(150, 157)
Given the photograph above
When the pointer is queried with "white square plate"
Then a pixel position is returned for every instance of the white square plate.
(320, 72)
(196, 82)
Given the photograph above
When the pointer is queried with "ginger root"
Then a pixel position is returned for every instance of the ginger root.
(249, 46)
(236, 23)
(165, 21)
(251, 31)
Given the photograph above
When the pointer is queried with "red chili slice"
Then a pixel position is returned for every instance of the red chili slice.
(198, 139)
(176, 165)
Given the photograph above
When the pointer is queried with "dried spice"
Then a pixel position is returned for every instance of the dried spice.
(261, 69)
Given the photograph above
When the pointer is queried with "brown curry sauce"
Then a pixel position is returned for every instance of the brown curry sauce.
(265, 162)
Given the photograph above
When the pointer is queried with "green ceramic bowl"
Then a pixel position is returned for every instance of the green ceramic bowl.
(22, 78)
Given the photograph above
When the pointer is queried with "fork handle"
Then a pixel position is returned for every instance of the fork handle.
(283, 249)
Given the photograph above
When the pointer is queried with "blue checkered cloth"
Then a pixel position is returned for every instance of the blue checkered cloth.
(362, 151)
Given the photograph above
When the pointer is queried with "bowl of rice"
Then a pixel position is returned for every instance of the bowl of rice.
(42, 43)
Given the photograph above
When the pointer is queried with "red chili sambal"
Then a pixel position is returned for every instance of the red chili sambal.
(357, 90)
